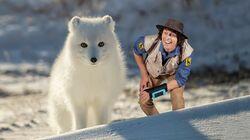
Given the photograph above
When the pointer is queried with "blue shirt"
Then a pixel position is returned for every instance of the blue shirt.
(184, 68)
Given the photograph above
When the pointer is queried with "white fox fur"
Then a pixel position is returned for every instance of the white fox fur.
(77, 84)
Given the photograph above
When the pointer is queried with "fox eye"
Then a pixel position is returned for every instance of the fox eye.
(84, 45)
(101, 44)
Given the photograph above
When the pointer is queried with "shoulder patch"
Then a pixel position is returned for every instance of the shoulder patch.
(188, 61)
(140, 46)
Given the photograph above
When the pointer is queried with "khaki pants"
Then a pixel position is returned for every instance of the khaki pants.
(176, 95)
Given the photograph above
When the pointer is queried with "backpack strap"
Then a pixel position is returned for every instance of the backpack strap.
(149, 47)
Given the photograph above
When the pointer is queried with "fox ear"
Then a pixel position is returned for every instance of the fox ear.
(74, 23)
(109, 21)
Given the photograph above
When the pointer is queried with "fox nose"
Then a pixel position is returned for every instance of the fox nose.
(93, 59)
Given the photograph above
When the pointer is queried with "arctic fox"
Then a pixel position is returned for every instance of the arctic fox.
(88, 74)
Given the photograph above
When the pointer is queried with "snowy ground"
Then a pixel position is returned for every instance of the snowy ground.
(223, 120)
(23, 113)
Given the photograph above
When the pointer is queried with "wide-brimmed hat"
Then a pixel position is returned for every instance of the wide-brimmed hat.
(173, 24)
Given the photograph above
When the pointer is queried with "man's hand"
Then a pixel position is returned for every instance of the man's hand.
(145, 82)
(144, 97)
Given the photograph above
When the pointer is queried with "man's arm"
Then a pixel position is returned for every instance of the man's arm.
(182, 74)
(141, 65)
(138, 51)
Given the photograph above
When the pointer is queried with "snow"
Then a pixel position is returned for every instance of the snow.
(23, 114)
(227, 119)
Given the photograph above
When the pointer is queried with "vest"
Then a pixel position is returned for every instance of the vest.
(153, 60)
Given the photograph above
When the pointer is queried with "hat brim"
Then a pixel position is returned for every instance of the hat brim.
(161, 27)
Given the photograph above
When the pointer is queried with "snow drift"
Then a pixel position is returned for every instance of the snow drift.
(222, 120)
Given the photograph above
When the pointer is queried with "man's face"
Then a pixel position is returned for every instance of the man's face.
(169, 40)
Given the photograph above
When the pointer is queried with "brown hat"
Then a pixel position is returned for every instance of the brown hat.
(173, 25)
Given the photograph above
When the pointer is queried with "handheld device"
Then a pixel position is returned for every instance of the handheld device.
(157, 91)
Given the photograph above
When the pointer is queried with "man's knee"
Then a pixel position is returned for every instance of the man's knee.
(177, 96)
(177, 92)
(147, 104)
(177, 99)
(148, 108)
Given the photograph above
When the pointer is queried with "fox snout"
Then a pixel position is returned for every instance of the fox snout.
(93, 59)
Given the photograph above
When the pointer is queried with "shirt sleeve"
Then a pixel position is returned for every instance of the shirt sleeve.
(183, 71)
(139, 46)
